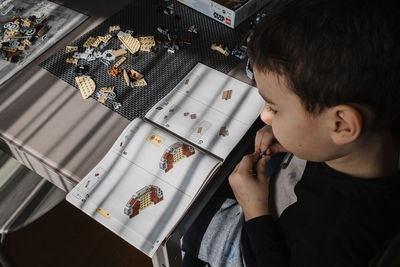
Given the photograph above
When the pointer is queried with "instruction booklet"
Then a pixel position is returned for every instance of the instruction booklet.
(149, 178)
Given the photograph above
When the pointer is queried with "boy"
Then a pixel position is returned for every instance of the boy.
(329, 74)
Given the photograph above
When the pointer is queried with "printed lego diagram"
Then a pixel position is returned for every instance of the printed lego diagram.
(167, 114)
(104, 213)
(145, 197)
(199, 130)
(155, 139)
(125, 139)
(174, 154)
(83, 191)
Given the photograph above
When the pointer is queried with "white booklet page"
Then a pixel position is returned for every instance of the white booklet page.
(143, 185)
(210, 109)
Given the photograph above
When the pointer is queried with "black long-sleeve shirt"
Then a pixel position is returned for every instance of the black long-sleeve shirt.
(337, 220)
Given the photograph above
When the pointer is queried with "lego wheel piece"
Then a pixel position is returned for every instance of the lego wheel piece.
(86, 85)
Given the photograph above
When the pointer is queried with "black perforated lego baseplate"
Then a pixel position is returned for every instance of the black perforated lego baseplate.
(162, 70)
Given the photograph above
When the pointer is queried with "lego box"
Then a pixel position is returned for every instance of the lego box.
(228, 12)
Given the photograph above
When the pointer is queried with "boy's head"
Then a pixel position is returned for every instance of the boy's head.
(339, 60)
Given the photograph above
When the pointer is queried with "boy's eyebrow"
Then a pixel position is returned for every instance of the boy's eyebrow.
(269, 101)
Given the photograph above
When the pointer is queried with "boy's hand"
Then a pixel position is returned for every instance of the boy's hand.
(250, 185)
(265, 141)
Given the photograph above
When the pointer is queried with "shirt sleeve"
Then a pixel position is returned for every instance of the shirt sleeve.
(266, 242)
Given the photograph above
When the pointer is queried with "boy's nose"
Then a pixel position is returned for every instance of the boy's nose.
(266, 116)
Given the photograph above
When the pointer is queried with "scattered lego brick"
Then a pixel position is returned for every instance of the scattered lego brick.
(89, 42)
(86, 85)
(98, 40)
(114, 28)
(126, 77)
(103, 98)
(25, 22)
(131, 43)
(9, 49)
(192, 29)
(70, 49)
(119, 62)
(146, 43)
(136, 75)
(140, 83)
(107, 89)
(119, 52)
(27, 42)
(220, 49)
(227, 94)
(114, 71)
(42, 31)
(72, 61)
(106, 38)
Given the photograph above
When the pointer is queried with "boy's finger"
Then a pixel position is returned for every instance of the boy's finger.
(247, 162)
(236, 168)
(263, 140)
(266, 142)
(261, 167)
(276, 148)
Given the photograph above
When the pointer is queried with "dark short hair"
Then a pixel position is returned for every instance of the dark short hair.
(334, 52)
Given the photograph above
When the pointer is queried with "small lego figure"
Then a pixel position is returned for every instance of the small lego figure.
(192, 29)
(219, 47)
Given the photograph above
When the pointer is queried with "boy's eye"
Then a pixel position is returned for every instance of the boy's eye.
(271, 109)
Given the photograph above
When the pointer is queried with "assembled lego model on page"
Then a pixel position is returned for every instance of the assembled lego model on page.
(145, 197)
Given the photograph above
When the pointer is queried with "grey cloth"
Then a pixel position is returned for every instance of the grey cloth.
(215, 236)
(282, 189)
(219, 237)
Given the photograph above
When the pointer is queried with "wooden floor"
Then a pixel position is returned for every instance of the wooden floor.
(67, 237)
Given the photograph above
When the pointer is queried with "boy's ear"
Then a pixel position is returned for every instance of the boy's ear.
(346, 124)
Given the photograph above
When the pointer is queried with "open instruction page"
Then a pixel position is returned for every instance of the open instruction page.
(144, 184)
(210, 109)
